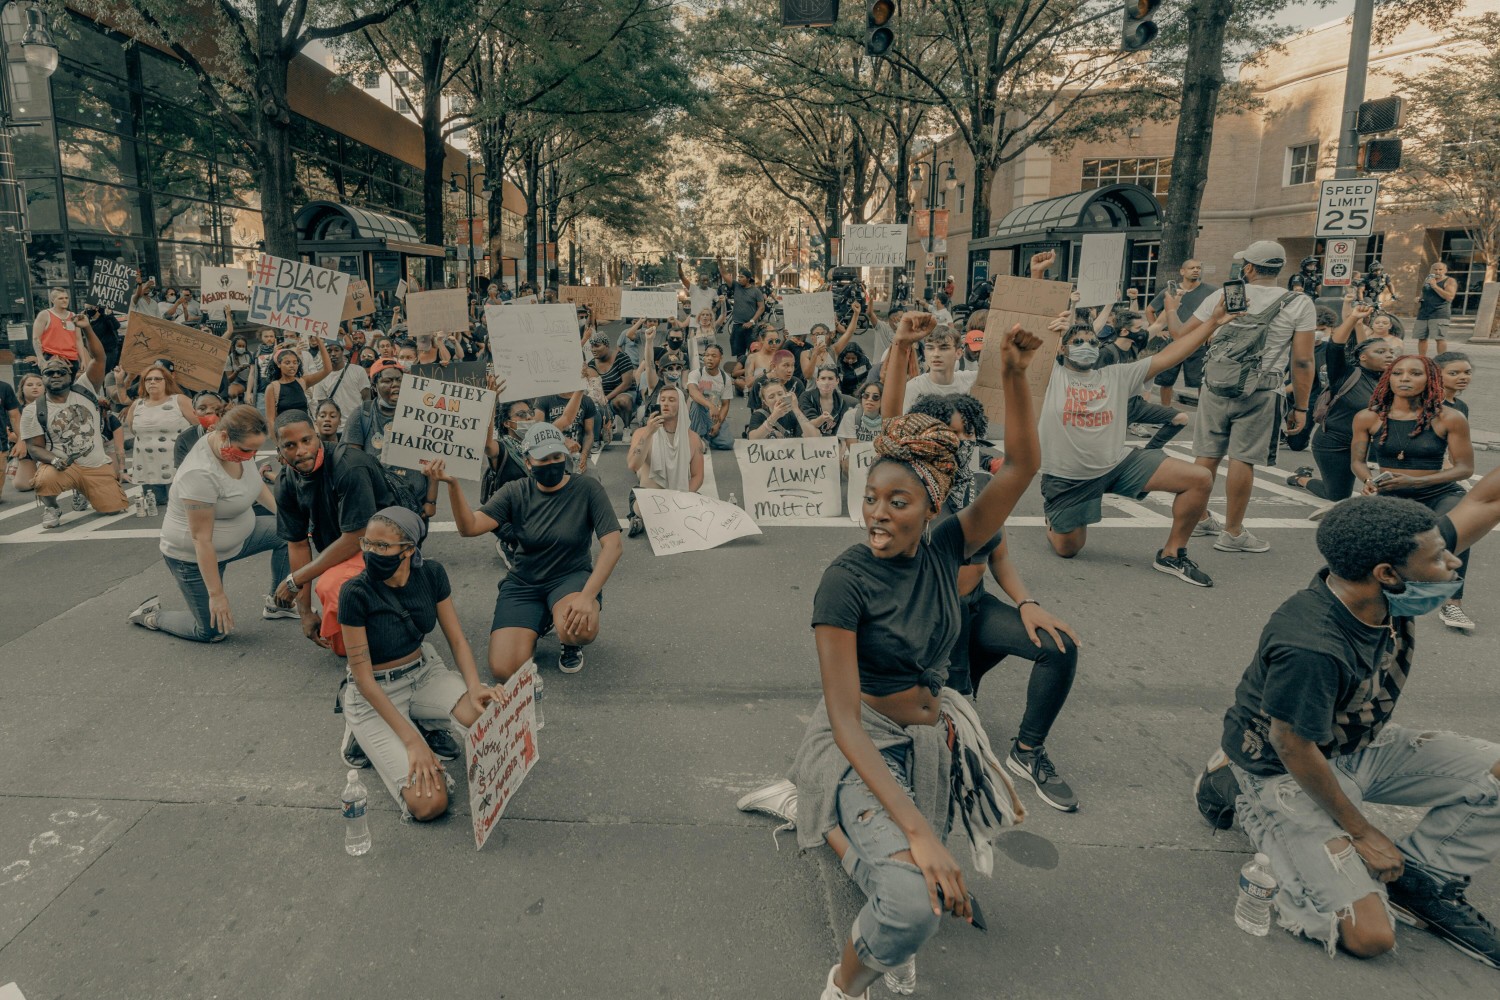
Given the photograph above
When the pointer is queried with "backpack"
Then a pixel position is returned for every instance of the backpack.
(1328, 397)
(1234, 353)
(41, 409)
(402, 494)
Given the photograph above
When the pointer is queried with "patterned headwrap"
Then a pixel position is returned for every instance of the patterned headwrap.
(926, 446)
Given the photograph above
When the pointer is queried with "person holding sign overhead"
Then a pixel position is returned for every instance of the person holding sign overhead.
(289, 391)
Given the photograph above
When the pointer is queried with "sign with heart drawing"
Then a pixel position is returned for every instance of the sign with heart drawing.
(690, 522)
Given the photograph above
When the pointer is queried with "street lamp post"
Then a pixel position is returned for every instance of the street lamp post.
(41, 57)
(950, 181)
(468, 175)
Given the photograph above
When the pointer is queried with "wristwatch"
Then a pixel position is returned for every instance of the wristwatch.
(59, 464)
(290, 583)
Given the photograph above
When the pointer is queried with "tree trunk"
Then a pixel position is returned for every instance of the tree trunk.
(434, 154)
(553, 204)
(1203, 78)
(533, 204)
(273, 121)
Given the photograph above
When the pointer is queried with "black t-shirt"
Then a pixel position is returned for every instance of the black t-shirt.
(903, 610)
(367, 428)
(9, 403)
(553, 407)
(341, 496)
(551, 530)
(797, 350)
(852, 377)
(1337, 432)
(1460, 406)
(786, 427)
(362, 603)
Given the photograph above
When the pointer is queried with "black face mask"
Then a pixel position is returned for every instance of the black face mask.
(549, 475)
(382, 567)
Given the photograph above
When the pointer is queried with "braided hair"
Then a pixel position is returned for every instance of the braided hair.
(926, 446)
(1429, 406)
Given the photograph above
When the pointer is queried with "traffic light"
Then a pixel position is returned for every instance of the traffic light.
(1384, 114)
(880, 33)
(1137, 30)
(809, 13)
(1380, 156)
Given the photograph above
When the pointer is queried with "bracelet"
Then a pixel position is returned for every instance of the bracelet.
(1029, 600)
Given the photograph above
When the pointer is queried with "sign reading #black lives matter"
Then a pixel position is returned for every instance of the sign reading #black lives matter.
(439, 420)
(291, 295)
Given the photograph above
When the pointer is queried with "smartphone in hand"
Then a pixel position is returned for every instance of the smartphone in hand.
(1234, 296)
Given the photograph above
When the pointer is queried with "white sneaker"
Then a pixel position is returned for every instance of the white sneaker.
(777, 799)
(1319, 513)
(1243, 542)
(145, 615)
(1210, 525)
(51, 517)
(270, 610)
(1453, 616)
(832, 992)
(903, 980)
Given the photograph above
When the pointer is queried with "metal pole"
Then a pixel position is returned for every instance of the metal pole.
(1354, 88)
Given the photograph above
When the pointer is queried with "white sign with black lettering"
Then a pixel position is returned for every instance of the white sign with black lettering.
(689, 522)
(1099, 268)
(861, 457)
(874, 245)
(1346, 208)
(1338, 263)
(222, 288)
(534, 349)
(793, 481)
(302, 298)
(800, 313)
(648, 305)
(439, 420)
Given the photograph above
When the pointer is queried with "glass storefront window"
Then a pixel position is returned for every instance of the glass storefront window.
(180, 173)
(99, 156)
(80, 98)
(34, 152)
(167, 79)
(184, 219)
(42, 212)
(102, 208)
(49, 268)
(1141, 270)
(81, 42)
(1465, 266)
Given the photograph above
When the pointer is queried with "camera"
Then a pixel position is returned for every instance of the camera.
(847, 289)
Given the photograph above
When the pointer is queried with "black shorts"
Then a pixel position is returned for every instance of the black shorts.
(529, 605)
(1191, 368)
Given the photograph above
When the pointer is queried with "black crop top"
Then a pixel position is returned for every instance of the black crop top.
(903, 610)
(1400, 450)
(390, 636)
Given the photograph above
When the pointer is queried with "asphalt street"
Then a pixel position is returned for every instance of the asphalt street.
(168, 820)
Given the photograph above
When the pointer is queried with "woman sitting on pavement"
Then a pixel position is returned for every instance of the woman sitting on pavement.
(209, 524)
(783, 372)
(156, 418)
(823, 404)
(551, 518)
(762, 356)
(862, 422)
(664, 454)
(326, 422)
(385, 613)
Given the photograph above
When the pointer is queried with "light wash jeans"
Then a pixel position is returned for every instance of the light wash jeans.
(699, 423)
(194, 623)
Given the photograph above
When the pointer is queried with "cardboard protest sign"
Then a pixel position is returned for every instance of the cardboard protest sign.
(861, 457)
(439, 420)
(113, 283)
(302, 298)
(197, 357)
(1099, 268)
(1033, 303)
(790, 481)
(603, 302)
(500, 750)
(689, 522)
(222, 288)
(443, 311)
(800, 313)
(462, 372)
(359, 301)
(876, 245)
(534, 349)
(648, 305)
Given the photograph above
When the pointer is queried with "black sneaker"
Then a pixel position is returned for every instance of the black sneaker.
(442, 744)
(636, 525)
(350, 751)
(1427, 900)
(1215, 791)
(571, 659)
(1182, 567)
(1036, 767)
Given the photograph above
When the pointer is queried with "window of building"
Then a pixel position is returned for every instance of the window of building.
(402, 77)
(369, 81)
(1141, 271)
(403, 106)
(1374, 248)
(1151, 173)
(939, 270)
(961, 189)
(1465, 266)
(1301, 164)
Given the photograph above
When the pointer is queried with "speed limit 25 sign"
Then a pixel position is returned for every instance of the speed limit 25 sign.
(1347, 207)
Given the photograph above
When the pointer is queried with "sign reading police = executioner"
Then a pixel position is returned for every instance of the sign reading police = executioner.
(291, 295)
(439, 420)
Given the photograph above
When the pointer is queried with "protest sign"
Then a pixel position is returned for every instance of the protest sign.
(439, 420)
(791, 481)
(113, 283)
(689, 522)
(462, 372)
(222, 288)
(1033, 303)
(291, 295)
(534, 349)
(197, 357)
(648, 305)
(800, 313)
(876, 245)
(500, 750)
(401, 289)
(861, 457)
(359, 301)
(1099, 268)
(443, 311)
(603, 302)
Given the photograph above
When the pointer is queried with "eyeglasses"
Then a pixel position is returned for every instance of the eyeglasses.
(153, 378)
(381, 548)
(523, 415)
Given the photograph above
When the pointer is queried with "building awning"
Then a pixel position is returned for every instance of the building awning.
(330, 227)
(1128, 208)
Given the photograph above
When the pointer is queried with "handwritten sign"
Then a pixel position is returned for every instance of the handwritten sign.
(603, 302)
(443, 311)
(1033, 303)
(439, 420)
(879, 245)
(790, 481)
(535, 349)
(197, 357)
(1099, 268)
(222, 288)
(648, 305)
(113, 283)
(401, 289)
(359, 301)
(462, 372)
(800, 313)
(861, 457)
(500, 750)
(291, 295)
(689, 522)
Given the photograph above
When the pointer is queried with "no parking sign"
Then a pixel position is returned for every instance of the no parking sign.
(1338, 263)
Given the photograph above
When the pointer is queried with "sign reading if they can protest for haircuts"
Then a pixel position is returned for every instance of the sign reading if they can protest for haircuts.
(792, 481)
(302, 298)
(874, 245)
(439, 420)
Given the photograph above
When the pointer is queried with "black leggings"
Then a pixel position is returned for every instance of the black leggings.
(1338, 476)
(991, 630)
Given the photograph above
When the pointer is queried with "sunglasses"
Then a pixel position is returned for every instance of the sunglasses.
(870, 395)
(673, 368)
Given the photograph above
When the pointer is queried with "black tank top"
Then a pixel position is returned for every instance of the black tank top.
(1400, 450)
(291, 396)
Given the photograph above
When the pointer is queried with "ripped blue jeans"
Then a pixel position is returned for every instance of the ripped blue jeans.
(897, 917)
(1448, 774)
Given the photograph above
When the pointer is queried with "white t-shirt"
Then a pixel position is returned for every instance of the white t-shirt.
(350, 382)
(714, 387)
(943, 316)
(73, 427)
(1297, 315)
(1083, 422)
(201, 477)
(923, 385)
(700, 299)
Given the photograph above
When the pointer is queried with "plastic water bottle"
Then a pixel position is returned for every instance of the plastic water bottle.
(356, 824)
(733, 499)
(1257, 888)
(150, 503)
(537, 704)
(140, 505)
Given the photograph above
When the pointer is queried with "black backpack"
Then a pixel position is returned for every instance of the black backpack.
(41, 409)
(402, 494)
